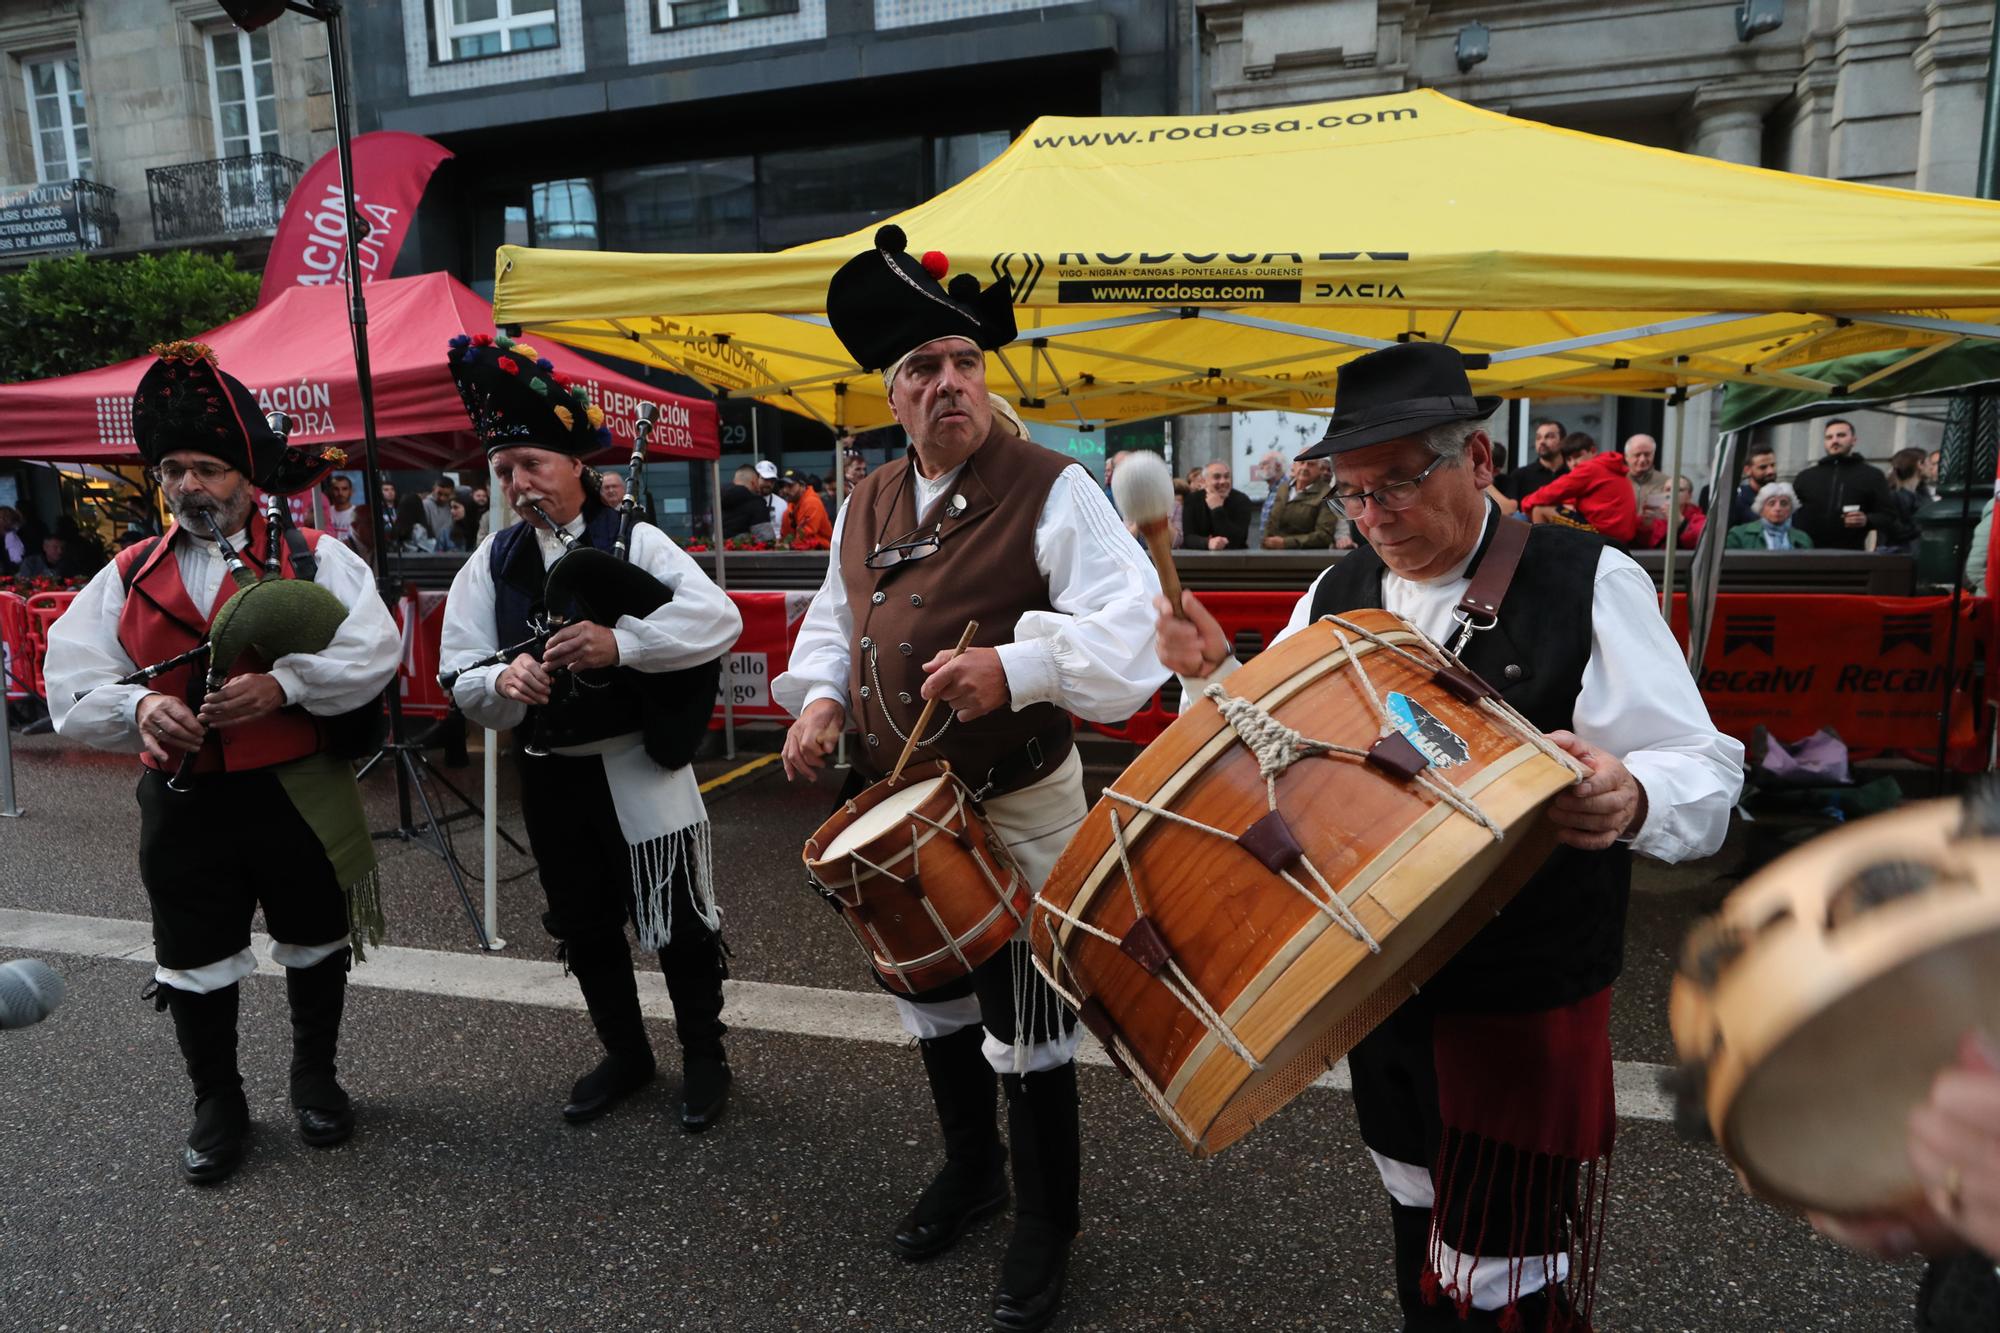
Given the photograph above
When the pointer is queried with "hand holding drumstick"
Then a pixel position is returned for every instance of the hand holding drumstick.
(971, 683)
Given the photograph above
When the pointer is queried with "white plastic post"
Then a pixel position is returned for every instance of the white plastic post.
(490, 848)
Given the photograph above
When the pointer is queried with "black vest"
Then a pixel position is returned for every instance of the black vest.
(672, 708)
(1563, 935)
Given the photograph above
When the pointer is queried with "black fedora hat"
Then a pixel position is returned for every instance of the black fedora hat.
(1401, 391)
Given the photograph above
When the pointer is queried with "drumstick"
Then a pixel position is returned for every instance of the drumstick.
(1144, 492)
(930, 706)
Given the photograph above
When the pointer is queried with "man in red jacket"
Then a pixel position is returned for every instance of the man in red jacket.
(1595, 493)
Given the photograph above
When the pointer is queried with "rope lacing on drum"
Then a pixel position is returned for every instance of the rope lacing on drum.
(846, 890)
(1181, 987)
(1328, 901)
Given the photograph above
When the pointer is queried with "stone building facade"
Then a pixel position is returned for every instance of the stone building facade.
(182, 130)
(1888, 92)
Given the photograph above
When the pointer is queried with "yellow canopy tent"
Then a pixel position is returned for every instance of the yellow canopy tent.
(1167, 265)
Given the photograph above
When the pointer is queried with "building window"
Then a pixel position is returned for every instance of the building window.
(957, 156)
(55, 104)
(694, 13)
(565, 215)
(471, 28)
(808, 194)
(242, 93)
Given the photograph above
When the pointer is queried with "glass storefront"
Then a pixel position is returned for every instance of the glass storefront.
(702, 207)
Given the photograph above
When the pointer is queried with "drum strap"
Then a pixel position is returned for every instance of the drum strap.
(1479, 608)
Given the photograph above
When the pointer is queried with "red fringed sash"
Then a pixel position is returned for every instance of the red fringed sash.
(1529, 1117)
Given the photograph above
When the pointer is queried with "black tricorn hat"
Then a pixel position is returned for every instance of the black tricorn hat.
(515, 396)
(185, 401)
(885, 303)
(1401, 391)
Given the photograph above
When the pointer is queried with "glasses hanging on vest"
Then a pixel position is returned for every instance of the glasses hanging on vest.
(911, 546)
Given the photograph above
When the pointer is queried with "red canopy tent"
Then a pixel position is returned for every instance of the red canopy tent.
(294, 354)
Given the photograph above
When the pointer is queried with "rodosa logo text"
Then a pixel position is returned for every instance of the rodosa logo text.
(1225, 129)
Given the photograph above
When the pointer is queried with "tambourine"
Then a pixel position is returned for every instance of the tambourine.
(1813, 1010)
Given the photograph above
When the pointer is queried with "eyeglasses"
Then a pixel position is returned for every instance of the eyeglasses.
(915, 546)
(1396, 495)
(173, 474)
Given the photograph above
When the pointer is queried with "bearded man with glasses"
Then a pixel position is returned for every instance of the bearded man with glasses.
(975, 523)
(1486, 1099)
(267, 786)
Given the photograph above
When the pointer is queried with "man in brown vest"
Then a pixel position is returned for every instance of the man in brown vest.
(976, 523)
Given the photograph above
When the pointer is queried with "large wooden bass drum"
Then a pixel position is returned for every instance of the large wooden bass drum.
(1288, 863)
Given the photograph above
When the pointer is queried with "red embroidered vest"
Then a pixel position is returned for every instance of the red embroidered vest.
(160, 621)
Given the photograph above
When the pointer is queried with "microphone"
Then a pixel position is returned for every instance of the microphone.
(29, 992)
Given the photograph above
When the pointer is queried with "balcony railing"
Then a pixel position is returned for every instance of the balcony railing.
(57, 216)
(231, 196)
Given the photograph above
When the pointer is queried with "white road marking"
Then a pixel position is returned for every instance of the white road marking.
(762, 1006)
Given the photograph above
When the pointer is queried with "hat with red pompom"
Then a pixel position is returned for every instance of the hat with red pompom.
(516, 396)
(884, 303)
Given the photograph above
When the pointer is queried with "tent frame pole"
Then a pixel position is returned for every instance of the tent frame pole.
(1928, 323)
(722, 582)
(1705, 569)
(1673, 510)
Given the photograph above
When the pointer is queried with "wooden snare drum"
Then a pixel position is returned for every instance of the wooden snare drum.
(1813, 1010)
(924, 883)
(1231, 920)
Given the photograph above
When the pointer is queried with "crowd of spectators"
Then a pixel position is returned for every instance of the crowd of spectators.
(1839, 502)
(793, 508)
(31, 550)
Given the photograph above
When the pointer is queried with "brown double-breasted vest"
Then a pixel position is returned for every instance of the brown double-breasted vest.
(984, 570)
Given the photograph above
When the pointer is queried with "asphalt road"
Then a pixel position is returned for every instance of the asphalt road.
(465, 1202)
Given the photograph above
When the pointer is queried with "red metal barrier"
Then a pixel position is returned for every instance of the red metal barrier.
(44, 609)
(1871, 667)
(417, 673)
(19, 664)
(1250, 619)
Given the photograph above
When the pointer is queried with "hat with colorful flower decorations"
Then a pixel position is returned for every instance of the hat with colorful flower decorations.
(515, 396)
(185, 401)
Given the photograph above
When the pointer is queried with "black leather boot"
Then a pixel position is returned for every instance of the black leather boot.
(973, 1183)
(318, 996)
(1048, 1171)
(602, 965)
(205, 1026)
(694, 968)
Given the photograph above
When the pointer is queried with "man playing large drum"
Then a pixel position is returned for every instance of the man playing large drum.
(1486, 1100)
(975, 524)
